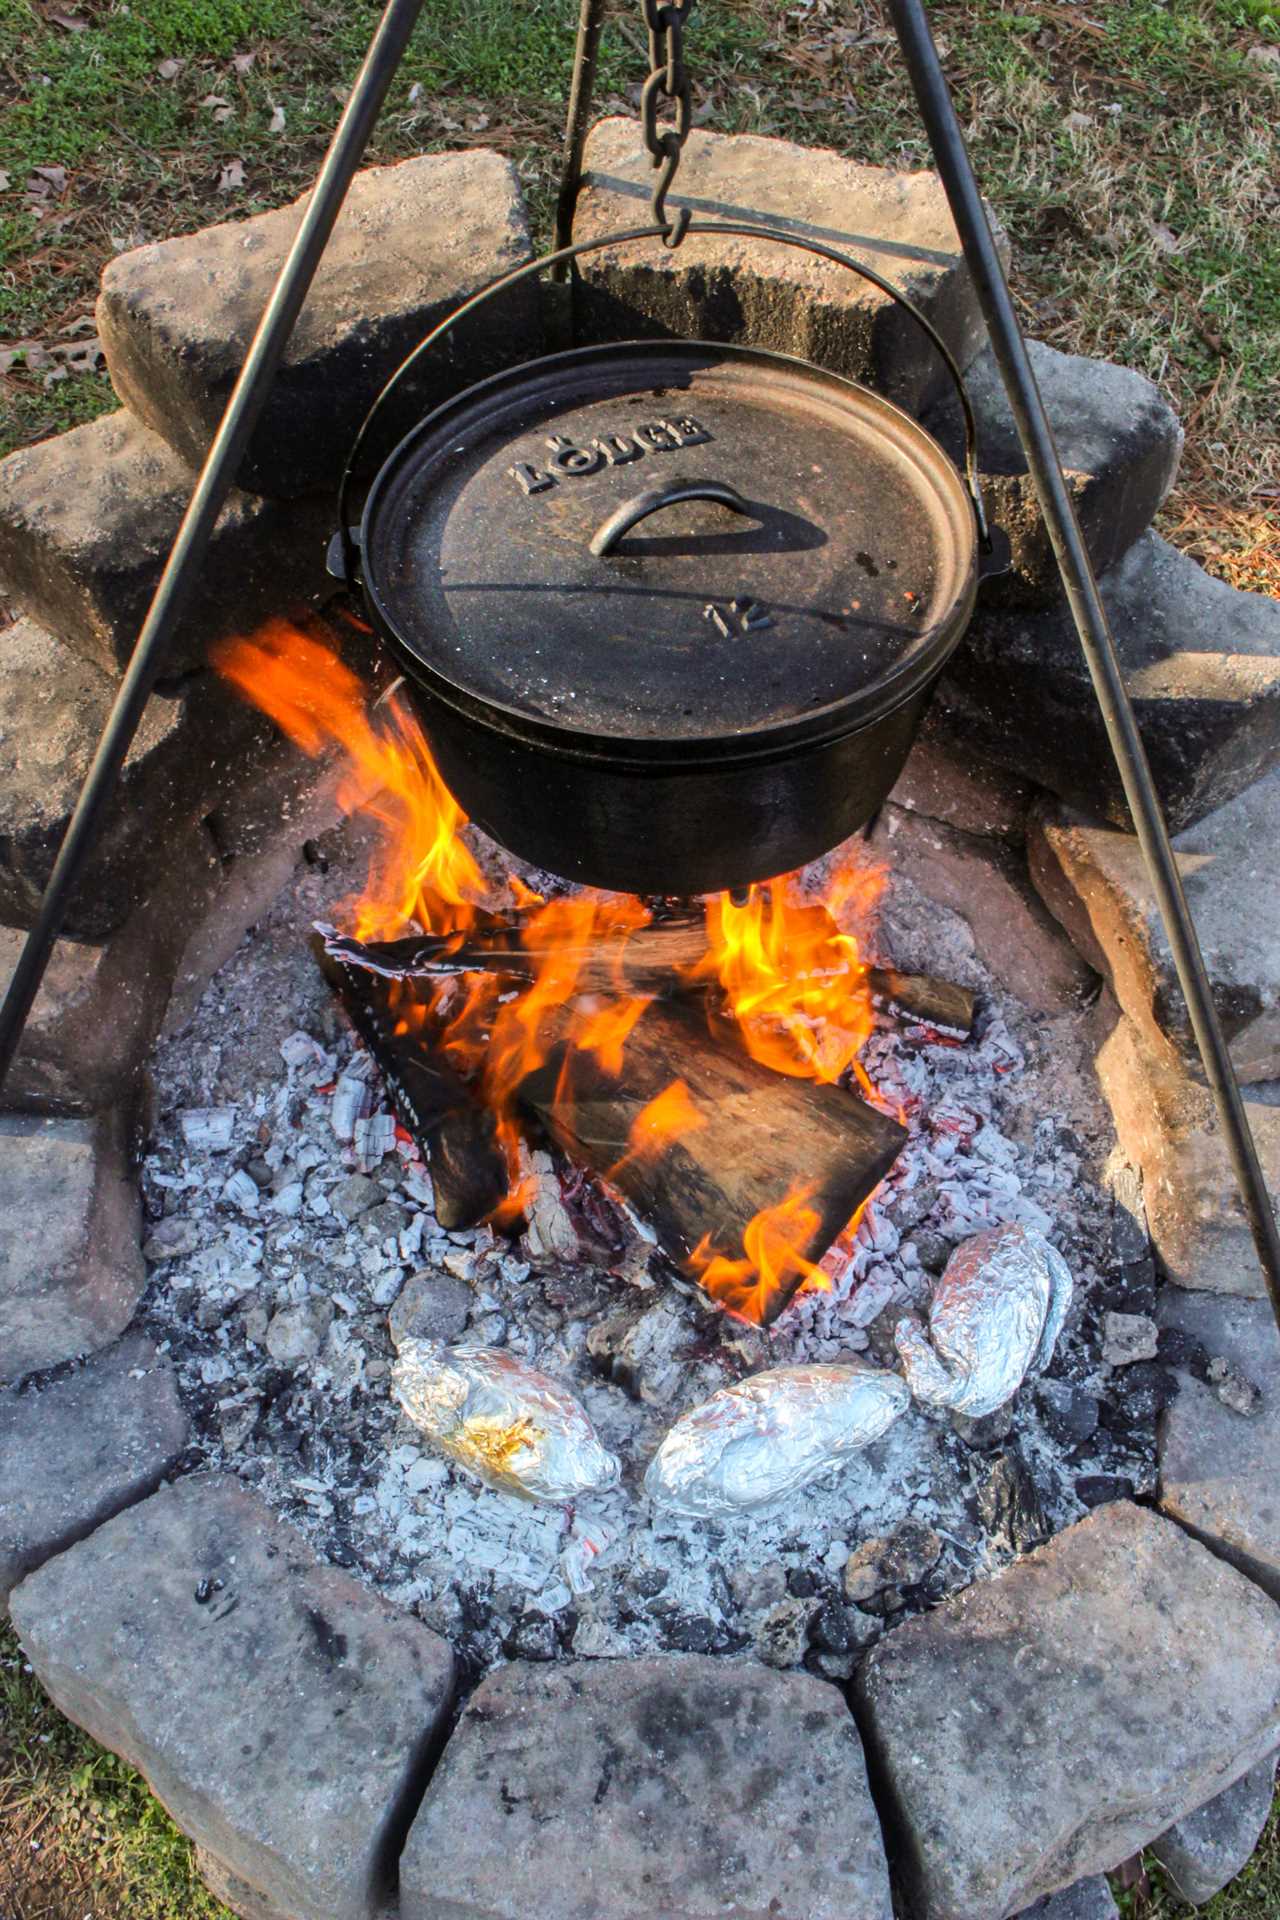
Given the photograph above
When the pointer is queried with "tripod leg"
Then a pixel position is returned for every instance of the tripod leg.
(178, 581)
(590, 21)
(951, 156)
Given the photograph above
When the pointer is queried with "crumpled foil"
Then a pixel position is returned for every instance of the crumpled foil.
(510, 1425)
(771, 1435)
(995, 1316)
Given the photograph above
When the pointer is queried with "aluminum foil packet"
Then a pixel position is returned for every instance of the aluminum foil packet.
(995, 1316)
(771, 1435)
(508, 1424)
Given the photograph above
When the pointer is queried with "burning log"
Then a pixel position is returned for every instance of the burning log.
(922, 996)
(468, 1168)
(712, 1148)
(655, 960)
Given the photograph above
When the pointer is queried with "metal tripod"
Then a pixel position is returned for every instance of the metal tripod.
(952, 159)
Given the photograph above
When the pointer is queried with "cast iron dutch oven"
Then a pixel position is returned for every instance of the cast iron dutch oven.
(670, 613)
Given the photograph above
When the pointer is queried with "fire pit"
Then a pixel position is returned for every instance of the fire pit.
(585, 1330)
(310, 1250)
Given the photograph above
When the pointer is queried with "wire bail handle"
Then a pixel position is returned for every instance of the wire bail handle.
(668, 79)
(345, 561)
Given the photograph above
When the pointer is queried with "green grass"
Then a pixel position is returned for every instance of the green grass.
(81, 1837)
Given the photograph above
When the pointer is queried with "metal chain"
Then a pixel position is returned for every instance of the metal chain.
(667, 80)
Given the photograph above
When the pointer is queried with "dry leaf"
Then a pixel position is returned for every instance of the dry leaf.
(277, 120)
(243, 61)
(477, 123)
(232, 176)
(215, 100)
(5, 182)
(170, 69)
(56, 177)
(71, 22)
(1165, 238)
(415, 93)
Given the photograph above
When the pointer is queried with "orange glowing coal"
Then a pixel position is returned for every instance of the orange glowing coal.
(787, 968)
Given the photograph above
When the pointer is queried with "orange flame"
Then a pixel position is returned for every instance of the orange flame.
(796, 983)
(794, 980)
(670, 1116)
(771, 1258)
(423, 870)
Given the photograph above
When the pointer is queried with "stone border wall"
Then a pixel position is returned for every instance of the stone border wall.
(1118, 1687)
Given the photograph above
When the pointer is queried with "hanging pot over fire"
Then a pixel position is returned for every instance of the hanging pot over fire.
(671, 612)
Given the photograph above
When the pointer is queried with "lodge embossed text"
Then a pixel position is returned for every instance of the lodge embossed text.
(567, 459)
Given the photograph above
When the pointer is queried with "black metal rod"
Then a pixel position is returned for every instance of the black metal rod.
(178, 581)
(951, 155)
(585, 54)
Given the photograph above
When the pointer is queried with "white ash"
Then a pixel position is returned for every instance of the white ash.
(289, 1216)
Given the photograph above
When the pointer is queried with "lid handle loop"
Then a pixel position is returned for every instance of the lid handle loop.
(653, 499)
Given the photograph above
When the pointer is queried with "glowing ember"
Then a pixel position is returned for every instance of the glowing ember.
(789, 970)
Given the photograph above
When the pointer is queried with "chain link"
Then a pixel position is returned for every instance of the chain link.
(668, 80)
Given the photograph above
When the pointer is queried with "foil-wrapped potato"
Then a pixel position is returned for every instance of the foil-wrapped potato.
(505, 1422)
(995, 1316)
(770, 1435)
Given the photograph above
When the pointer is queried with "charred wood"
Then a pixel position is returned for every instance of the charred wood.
(435, 1103)
(657, 960)
(759, 1136)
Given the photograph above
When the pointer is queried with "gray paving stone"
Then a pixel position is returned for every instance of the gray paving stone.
(1119, 441)
(761, 294)
(86, 522)
(86, 1032)
(237, 1894)
(676, 1786)
(1217, 1467)
(1094, 880)
(1042, 1726)
(281, 1711)
(945, 783)
(1202, 664)
(53, 707)
(71, 1272)
(81, 1448)
(1212, 1845)
(1167, 1126)
(176, 318)
(1087, 1900)
(985, 883)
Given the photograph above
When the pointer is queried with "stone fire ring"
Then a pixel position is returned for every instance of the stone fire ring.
(1116, 1688)
(1022, 1738)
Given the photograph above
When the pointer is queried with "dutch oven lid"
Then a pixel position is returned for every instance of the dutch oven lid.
(667, 544)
